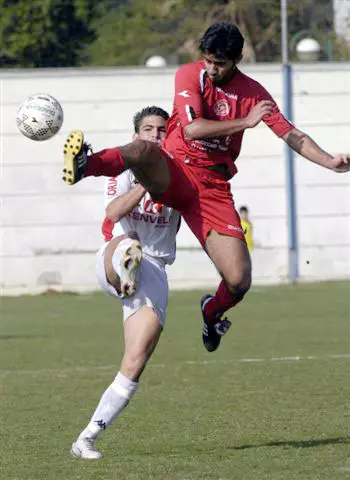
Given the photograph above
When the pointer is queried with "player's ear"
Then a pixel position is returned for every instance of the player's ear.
(135, 136)
(238, 59)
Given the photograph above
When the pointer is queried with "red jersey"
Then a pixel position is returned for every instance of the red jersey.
(196, 97)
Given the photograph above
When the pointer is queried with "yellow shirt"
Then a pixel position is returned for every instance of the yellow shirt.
(248, 233)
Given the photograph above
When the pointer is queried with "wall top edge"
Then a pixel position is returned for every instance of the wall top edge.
(142, 71)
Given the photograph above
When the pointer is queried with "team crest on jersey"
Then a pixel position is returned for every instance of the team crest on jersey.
(222, 108)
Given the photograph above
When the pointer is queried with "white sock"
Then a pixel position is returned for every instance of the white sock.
(119, 252)
(113, 401)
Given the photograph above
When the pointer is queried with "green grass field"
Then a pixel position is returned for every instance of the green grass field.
(196, 415)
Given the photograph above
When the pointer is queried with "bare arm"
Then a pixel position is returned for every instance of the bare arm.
(121, 206)
(305, 146)
(202, 127)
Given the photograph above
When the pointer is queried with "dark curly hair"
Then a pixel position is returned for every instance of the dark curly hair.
(224, 40)
(147, 112)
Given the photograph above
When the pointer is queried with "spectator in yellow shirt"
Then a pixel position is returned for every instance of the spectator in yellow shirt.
(247, 226)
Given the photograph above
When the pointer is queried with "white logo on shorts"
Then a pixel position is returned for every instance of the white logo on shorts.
(233, 227)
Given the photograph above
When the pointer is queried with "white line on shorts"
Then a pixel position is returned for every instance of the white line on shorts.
(65, 371)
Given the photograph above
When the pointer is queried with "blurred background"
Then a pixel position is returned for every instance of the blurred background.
(106, 60)
(56, 33)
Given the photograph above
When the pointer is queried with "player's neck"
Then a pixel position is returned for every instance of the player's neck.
(228, 77)
(231, 74)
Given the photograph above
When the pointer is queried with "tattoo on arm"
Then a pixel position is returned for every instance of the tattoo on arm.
(296, 140)
(308, 148)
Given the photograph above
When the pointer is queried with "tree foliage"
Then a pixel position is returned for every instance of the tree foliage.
(173, 27)
(45, 33)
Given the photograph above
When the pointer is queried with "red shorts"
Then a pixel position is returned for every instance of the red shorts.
(203, 198)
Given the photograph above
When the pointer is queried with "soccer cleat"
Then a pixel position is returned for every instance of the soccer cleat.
(129, 265)
(85, 448)
(74, 157)
(212, 332)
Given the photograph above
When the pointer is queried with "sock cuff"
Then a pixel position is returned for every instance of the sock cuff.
(124, 386)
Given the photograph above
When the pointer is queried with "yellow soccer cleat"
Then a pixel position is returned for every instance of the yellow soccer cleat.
(74, 157)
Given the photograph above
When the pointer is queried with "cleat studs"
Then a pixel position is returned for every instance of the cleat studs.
(64, 178)
(64, 170)
(64, 151)
(70, 172)
(71, 146)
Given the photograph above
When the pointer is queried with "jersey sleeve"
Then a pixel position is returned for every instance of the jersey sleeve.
(117, 186)
(188, 89)
(277, 121)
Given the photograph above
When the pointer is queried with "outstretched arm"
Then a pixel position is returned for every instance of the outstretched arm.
(202, 127)
(121, 206)
(301, 143)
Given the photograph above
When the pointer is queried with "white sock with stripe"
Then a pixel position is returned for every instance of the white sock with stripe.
(112, 403)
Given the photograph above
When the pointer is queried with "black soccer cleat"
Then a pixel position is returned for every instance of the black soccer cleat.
(212, 332)
(75, 159)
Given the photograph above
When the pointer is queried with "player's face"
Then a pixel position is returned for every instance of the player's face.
(152, 128)
(220, 70)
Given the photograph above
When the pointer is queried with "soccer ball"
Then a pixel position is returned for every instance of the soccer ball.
(39, 117)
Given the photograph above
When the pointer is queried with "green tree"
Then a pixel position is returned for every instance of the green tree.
(128, 32)
(46, 33)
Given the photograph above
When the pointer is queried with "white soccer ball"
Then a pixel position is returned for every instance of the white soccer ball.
(39, 117)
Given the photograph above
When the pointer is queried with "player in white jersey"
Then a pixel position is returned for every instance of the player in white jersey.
(140, 239)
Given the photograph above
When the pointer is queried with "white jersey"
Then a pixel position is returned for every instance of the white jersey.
(155, 224)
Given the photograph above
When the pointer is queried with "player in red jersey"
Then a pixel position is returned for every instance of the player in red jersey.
(214, 104)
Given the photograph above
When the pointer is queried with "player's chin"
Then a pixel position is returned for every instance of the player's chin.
(218, 81)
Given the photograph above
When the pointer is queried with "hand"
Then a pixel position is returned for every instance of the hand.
(341, 163)
(254, 117)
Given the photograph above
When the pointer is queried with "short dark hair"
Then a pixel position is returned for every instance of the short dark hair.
(224, 40)
(243, 208)
(147, 112)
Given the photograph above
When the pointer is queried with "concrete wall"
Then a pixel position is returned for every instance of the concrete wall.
(49, 231)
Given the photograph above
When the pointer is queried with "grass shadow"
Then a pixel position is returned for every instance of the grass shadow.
(315, 442)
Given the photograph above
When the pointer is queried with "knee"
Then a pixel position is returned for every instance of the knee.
(239, 282)
(144, 149)
(137, 152)
(132, 365)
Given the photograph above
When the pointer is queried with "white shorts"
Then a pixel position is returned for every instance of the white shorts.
(152, 286)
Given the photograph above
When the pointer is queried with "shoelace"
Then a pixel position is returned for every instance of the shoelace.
(222, 326)
(89, 444)
(87, 147)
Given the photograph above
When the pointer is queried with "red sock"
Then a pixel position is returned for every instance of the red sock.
(222, 301)
(107, 162)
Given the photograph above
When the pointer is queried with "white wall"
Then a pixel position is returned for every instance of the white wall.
(50, 231)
